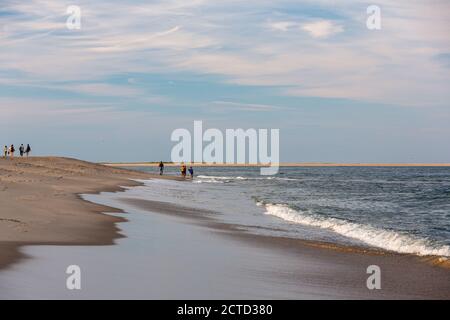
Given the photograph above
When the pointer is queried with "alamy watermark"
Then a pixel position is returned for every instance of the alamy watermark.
(73, 22)
(374, 280)
(241, 147)
(373, 21)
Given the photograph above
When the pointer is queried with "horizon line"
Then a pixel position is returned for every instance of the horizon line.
(285, 164)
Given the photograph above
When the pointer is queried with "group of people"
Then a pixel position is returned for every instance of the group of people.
(183, 170)
(23, 151)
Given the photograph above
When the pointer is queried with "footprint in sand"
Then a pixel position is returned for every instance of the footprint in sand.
(16, 224)
(10, 220)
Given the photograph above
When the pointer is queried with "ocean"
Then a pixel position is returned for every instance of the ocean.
(399, 209)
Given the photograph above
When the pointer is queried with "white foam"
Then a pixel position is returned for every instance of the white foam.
(229, 178)
(209, 181)
(380, 238)
(221, 177)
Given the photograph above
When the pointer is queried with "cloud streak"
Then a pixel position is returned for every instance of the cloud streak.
(227, 105)
(299, 51)
(322, 28)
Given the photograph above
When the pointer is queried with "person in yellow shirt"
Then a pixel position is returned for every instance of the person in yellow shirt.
(183, 170)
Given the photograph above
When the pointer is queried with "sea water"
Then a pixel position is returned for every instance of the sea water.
(400, 209)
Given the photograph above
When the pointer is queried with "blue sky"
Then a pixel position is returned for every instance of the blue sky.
(136, 70)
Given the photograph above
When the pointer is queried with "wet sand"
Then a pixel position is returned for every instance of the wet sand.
(332, 271)
(40, 203)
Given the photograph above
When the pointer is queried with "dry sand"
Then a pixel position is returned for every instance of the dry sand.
(39, 203)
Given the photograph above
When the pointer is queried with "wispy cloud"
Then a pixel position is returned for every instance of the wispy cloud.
(322, 28)
(283, 25)
(139, 68)
(229, 105)
(394, 65)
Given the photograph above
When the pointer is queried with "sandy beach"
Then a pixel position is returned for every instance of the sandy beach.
(40, 203)
(41, 206)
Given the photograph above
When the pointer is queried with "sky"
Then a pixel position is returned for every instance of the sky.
(115, 89)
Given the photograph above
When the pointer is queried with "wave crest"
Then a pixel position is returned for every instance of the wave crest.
(380, 238)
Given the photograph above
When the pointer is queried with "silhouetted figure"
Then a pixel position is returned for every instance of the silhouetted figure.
(11, 151)
(28, 150)
(161, 168)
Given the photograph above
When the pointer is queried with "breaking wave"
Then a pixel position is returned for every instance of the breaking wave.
(376, 237)
(224, 179)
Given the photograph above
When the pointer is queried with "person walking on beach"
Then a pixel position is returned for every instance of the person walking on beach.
(11, 151)
(28, 150)
(21, 150)
(191, 172)
(183, 170)
(5, 151)
(161, 168)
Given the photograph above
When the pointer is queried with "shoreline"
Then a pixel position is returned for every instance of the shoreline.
(205, 218)
(332, 267)
(42, 204)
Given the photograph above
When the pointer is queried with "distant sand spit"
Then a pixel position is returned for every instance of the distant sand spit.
(305, 164)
